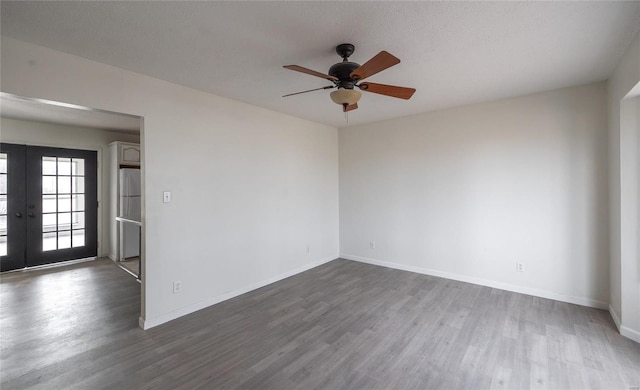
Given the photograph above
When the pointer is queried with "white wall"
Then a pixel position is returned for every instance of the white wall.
(629, 207)
(625, 284)
(251, 188)
(49, 134)
(464, 193)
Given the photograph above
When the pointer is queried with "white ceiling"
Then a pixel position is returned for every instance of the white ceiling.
(39, 110)
(453, 53)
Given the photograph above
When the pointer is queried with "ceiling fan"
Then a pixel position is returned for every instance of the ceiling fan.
(347, 75)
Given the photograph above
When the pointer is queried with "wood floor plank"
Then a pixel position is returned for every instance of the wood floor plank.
(343, 325)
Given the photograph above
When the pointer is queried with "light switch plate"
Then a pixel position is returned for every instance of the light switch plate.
(166, 197)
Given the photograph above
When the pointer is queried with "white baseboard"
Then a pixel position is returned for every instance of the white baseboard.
(161, 319)
(614, 315)
(483, 282)
(630, 333)
(624, 330)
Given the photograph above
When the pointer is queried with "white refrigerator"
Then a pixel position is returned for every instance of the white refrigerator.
(130, 208)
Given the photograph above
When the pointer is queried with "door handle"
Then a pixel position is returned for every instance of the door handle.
(19, 215)
(31, 215)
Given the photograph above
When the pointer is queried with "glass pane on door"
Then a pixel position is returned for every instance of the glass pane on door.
(62, 203)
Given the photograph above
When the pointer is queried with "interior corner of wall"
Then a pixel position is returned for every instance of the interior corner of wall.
(615, 317)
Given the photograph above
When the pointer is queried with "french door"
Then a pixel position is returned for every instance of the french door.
(48, 205)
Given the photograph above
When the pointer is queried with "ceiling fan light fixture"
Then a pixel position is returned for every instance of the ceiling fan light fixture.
(344, 96)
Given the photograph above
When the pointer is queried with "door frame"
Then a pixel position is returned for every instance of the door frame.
(24, 207)
(102, 207)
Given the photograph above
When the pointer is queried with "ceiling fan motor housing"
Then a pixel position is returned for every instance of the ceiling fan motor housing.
(342, 70)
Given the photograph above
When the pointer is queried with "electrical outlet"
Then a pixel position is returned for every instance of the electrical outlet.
(177, 286)
(372, 245)
(519, 266)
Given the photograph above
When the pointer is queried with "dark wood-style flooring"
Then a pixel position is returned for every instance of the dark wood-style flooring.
(343, 325)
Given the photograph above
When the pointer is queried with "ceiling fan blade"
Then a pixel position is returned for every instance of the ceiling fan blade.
(311, 72)
(378, 63)
(389, 90)
(349, 108)
(310, 90)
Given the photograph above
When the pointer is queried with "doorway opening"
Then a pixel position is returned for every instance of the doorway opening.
(67, 160)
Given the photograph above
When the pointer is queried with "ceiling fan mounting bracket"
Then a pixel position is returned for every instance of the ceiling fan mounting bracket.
(344, 50)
